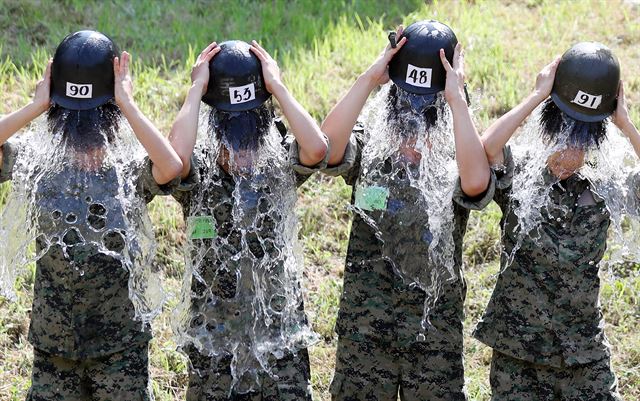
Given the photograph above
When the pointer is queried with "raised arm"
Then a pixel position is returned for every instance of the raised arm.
(12, 123)
(311, 142)
(166, 163)
(470, 156)
(499, 133)
(622, 120)
(340, 121)
(185, 128)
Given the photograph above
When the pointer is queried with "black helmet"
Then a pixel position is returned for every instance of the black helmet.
(417, 68)
(82, 72)
(586, 82)
(235, 81)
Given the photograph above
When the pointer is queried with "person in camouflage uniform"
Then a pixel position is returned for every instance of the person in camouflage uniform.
(216, 183)
(544, 320)
(380, 353)
(87, 345)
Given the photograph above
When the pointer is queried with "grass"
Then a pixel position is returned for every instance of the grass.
(322, 46)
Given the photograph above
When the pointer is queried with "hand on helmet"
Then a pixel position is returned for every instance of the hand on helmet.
(200, 70)
(454, 87)
(123, 82)
(270, 69)
(545, 78)
(620, 116)
(42, 97)
(379, 70)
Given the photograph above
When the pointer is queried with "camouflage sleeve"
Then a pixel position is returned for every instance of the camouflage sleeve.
(9, 154)
(499, 185)
(504, 178)
(182, 191)
(303, 172)
(349, 168)
(147, 184)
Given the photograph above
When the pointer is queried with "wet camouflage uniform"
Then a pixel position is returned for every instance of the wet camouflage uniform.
(210, 378)
(544, 321)
(86, 343)
(379, 356)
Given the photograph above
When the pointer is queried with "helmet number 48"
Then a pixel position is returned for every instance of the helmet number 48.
(242, 94)
(80, 91)
(417, 76)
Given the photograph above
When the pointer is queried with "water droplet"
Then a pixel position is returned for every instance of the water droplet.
(421, 337)
(56, 214)
(71, 218)
(591, 262)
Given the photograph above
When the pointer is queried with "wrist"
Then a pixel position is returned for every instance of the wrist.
(277, 89)
(457, 100)
(126, 105)
(198, 86)
(368, 79)
(37, 108)
(538, 96)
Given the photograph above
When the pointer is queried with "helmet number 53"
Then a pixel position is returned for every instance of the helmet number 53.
(417, 76)
(242, 94)
(80, 91)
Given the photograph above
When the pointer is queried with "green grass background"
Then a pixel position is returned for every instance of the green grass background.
(322, 46)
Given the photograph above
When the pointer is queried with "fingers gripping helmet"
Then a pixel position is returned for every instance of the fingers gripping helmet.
(586, 82)
(416, 67)
(235, 81)
(82, 75)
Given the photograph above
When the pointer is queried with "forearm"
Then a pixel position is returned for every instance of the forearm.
(340, 121)
(631, 132)
(166, 163)
(472, 162)
(311, 143)
(12, 123)
(498, 134)
(184, 131)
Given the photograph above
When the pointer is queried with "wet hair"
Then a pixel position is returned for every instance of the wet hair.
(556, 126)
(85, 129)
(242, 129)
(396, 110)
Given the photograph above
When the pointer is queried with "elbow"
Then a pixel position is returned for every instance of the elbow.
(476, 185)
(317, 153)
(170, 170)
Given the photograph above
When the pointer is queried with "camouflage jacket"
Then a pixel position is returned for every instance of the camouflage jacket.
(210, 194)
(545, 307)
(81, 306)
(376, 305)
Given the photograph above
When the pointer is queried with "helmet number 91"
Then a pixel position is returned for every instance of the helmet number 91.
(80, 91)
(242, 94)
(586, 100)
(417, 76)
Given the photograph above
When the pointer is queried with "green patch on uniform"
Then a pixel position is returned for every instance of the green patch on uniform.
(202, 227)
(372, 198)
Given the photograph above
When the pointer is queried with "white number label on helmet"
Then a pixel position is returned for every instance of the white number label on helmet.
(417, 76)
(242, 94)
(80, 91)
(586, 100)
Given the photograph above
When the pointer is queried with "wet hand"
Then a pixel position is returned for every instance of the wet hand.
(123, 82)
(378, 72)
(270, 69)
(454, 87)
(42, 97)
(545, 78)
(620, 116)
(200, 70)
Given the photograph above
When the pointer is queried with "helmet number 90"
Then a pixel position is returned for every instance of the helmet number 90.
(80, 91)
(586, 100)
(242, 94)
(417, 76)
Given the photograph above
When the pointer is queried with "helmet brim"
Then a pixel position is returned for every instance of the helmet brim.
(576, 115)
(80, 104)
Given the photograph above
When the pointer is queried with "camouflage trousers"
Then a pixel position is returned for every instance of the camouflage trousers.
(211, 381)
(122, 376)
(366, 371)
(513, 379)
